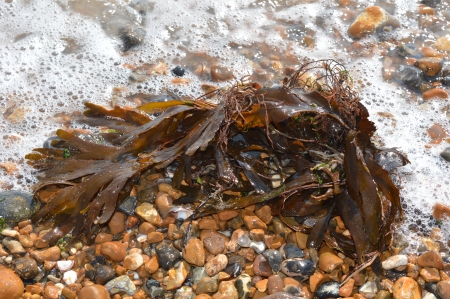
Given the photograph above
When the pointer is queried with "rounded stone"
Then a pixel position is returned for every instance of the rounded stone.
(300, 268)
(221, 73)
(94, 291)
(216, 264)
(329, 289)
(103, 274)
(117, 223)
(227, 290)
(275, 284)
(133, 261)
(431, 259)
(261, 266)
(26, 268)
(214, 243)
(178, 71)
(114, 251)
(207, 285)
(121, 284)
(16, 206)
(406, 288)
(167, 256)
(11, 285)
(194, 253)
(328, 262)
(394, 261)
(274, 258)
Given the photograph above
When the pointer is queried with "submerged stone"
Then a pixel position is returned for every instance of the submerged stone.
(329, 289)
(16, 206)
(298, 267)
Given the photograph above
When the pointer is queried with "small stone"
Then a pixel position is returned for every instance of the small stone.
(369, 289)
(178, 71)
(441, 211)
(227, 290)
(292, 251)
(17, 206)
(207, 285)
(406, 288)
(227, 215)
(253, 222)
(329, 289)
(151, 265)
(70, 277)
(114, 251)
(51, 292)
(265, 214)
(243, 285)
(329, 261)
(121, 284)
(430, 274)
(133, 261)
(49, 254)
(443, 289)
(194, 253)
(14, 247)
(176, 276)
(128, 206)
(301, 239)
(435, 93)
(410, 76)
(215, 243)
(146, 228)
(11, 285)
(394, 261)
(155, 237)
(297, 267)
(429, 296)
(103, 274)
(216, 264)
(258, 247)
(233, 270)
(274, 258)
(64, 266)
(442, 44)
(244, 240)
(93, 291)
(68, 293)
(167, 256)
(275, 284)
(373, 18)
(261, 266)
(183, 292)
(346, 289)
(383, 294)
(431, 66)
(431, 259)
(221, 73)
(26, 268)
(10, 233)
(163, 200)
(149, 213)
(117, 223)
(132, 35)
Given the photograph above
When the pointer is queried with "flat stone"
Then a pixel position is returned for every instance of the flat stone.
(133, 261)
(372, 19)
(275, 284)
(329, 261)
(163, 203)
(16, 206)
(51, 292)
(155, 237)
(431, 259)
(207, 285)
(430, 274)
(151, 265)
(261, 266)
(431, 66)
(274, 258)
(216, 264)
(128, 206)
(221, 73)
(114, 251)
(346, 289)
(292, 251)
(14, 247)
(117, 223)
(121, 284)
(149, 213)
(176, 276)
(194, 253)
(441, 211)
(11, 285)
(300, 268)
(394, 261)
(406, 288)
(227, 290)
(253, 222)
(215, 243)
(49, 254)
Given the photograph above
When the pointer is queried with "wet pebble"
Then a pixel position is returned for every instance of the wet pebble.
(369, 289)
(445, 154)
(117, 223)
(14, 246)
(16, 206)
(194, 253)
(373, 18)
(443, 289)
(261, 266)
(207, 285)
(297, 267)
(431, 66)
(234, 270)
(274, 258)
(128, 206)
(216, 264)
(49, 254)
(291, 250)
(26, 268)
(167, 256)
(215, 243)
(51, 292)
(221, 73)
(94, 291)
(275, 284)
(11, 285)
(149, 213)
(103, 274)
(114, 251)
(227, 290)
(122, 283)
(178, 71)
(410, 76)
(431, 259)
(70, 277)
(132, 35)
(243, 284)
(329, 289)
(258, 247)
(176, 276)
(394, 261)
(406, 288)
(244, 240)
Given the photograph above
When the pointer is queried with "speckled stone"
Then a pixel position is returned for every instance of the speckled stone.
(275, 284)
(17, 206)
(216, 264)
(167, 256)
(215, 243)
(329, 289)
(227, 290)
(243, 284)
(121, 284)
(261, 266)
(394, 261)
(26, 268)
(300, 268)
(207, 285)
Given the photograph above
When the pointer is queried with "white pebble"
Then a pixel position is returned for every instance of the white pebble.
(64, 266)
(73, 251)
(9, 259)
(141, 238)
(10, 233)
(70, 277)
(394, 261)
(369, 289)
(429, 296)
(258, 247)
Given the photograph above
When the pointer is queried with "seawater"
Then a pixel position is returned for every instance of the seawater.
(55, 55)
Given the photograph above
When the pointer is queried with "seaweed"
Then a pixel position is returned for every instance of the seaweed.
(304, 148)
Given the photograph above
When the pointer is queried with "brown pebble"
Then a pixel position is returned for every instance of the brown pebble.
(146, 227)
(115, 251)
(431, 259)
(51, 292)
(274, 284)
(11, 286)
(194, 253)
(431, 66)
(215, 243)
(443, 288)
(369, 20)
(68, 293)
(406, 288)
(163, 203)
(208, 223)
(329, 261)
(262, 285)
(94, 291)
(216, 264)
(435, 93)
(261, 266)
(151, 265)
(50, 254)
(117, 223)
(347, 288)
(103, 237)
(426, 10)
(131, 221)
(253, 222)
(265, 214)
(441, 211)
(221, 73)
(430, 274)
(227, 215)
(301, 239)
(155, 237)
(227, 290)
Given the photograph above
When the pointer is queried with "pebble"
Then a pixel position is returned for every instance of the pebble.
(410, 76)
(243, 286)
(435, 93)
(133, 261)
(64, 266)
(10, 233)
(275, 284)
(49, 254)
(329, 289)
(70, 277)
(329, 261)
(216, 264)
(151, 265)
(93, 291)
(430, 274)
(234, 270)
(194, 253)
(207, 285)
(258, 247)
(215, 243)
(167, 256)
(372, 19)
(244, 240)
(406, 288)
(443, 289)
(163, 200)
(441, 211)
(14, 246)
(155, 237)
(297, 267)
(132, 35)
(431, 259)
(442, 44)
(51, 292)
(178, 71)
(128, 206)
(26, 268)
(291, 250)
(369, 289)
(431, 66)
(394, 261)
(11, 285)
(117, 223)
(346, 289)
(227, 290)
(122, 283)
(176, 276)
(149, 213)
(261, 266)
(274, 258)
(17, 206)
(253, 222)
(445, 154)
(114, 251)
(221, 73)
(103, 274)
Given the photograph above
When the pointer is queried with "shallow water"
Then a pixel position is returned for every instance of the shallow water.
(55, 55)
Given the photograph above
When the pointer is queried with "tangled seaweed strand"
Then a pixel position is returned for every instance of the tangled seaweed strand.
(303, 148)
